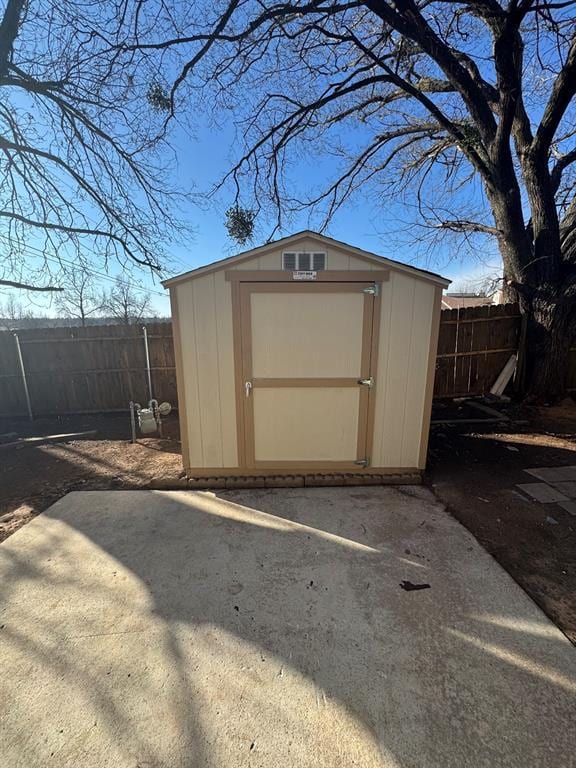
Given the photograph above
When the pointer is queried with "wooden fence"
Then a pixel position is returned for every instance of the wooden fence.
(83, 370)
(102, 368)
(473, 346)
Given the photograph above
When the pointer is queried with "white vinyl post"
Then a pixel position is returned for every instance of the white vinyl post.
(23, 372)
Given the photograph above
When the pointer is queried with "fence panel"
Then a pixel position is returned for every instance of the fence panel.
(102, 368)
(92, 369)
(473, 347)
(12, 397)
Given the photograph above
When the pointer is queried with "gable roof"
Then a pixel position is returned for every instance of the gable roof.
(291, 240)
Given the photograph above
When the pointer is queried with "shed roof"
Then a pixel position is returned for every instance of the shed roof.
(292, 240)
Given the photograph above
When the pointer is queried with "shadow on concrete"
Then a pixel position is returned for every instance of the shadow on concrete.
(60, 658)
(280, 613)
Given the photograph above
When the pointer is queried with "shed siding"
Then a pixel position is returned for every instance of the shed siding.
(187, 330)
(415, 392)
(407, 307)
(205, 323)
(205, 320)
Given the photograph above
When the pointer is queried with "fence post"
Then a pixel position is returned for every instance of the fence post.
(145, 332)
(23, 372)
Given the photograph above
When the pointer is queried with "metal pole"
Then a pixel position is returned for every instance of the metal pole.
(23, 372)
(145, 332)
(132, 421)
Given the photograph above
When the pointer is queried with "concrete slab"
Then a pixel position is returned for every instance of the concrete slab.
(268, 628)
(566, 487)
(568, 506)
(553, 474)
(542, 492)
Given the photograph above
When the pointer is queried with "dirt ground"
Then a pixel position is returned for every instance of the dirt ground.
(35, 475)
(473, 472)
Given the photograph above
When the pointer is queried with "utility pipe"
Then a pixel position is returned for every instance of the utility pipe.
(23, 372)
(148, 372)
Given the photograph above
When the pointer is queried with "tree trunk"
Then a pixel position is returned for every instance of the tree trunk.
(514, 242)
(532, 260)
(550, 333)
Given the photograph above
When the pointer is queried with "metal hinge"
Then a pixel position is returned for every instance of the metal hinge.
(367, 382)
(363, 462)
(374, 290)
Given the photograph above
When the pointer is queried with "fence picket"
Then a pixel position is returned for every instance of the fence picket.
(102, 368)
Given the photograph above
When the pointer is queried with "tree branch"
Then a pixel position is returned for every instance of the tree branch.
(561, 164)
(28, 287)
(462, 225)
(408, 21)
(9, 32)
(562, 94)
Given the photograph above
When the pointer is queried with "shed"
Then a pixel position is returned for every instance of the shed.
(305, 356)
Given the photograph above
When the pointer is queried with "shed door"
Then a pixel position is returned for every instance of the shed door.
(306, 348)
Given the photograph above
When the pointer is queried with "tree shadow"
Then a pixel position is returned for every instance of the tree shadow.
(70, 704)
(291, 642)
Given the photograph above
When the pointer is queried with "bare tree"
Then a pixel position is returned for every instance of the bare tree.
(126, 304)
(12, 313)
(452, 106)
(426, 100)
(80, 298)
(83, 151)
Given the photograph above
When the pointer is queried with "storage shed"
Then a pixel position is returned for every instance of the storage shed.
(305, 356)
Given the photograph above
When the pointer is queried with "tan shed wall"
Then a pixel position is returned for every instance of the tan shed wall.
(407, 310)
(205, 323)
(204, 317)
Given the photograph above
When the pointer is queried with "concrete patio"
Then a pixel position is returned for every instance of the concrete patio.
(268, 628)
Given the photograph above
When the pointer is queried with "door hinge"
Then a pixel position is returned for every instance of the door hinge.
(367, 382)
(363, 462)
(374, 290)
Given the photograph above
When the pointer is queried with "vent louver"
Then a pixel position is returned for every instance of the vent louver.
(303, 261)
(318, 261)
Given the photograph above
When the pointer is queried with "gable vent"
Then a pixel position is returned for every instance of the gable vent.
(303, 261)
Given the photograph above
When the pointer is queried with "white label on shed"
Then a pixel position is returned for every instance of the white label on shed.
(302, 275)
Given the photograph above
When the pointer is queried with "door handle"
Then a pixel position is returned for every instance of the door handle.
(247, 388)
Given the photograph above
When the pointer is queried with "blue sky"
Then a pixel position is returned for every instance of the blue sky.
(364, 222)
(385, 227)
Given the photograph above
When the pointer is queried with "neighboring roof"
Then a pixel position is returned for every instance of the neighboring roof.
(292, 239)
(461, 300)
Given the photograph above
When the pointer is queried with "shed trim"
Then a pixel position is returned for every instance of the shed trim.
(375, 345)
(238, 372)
(180, 380)
(327, 276)
(326, 469)
(368, 256)
(430, 376)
